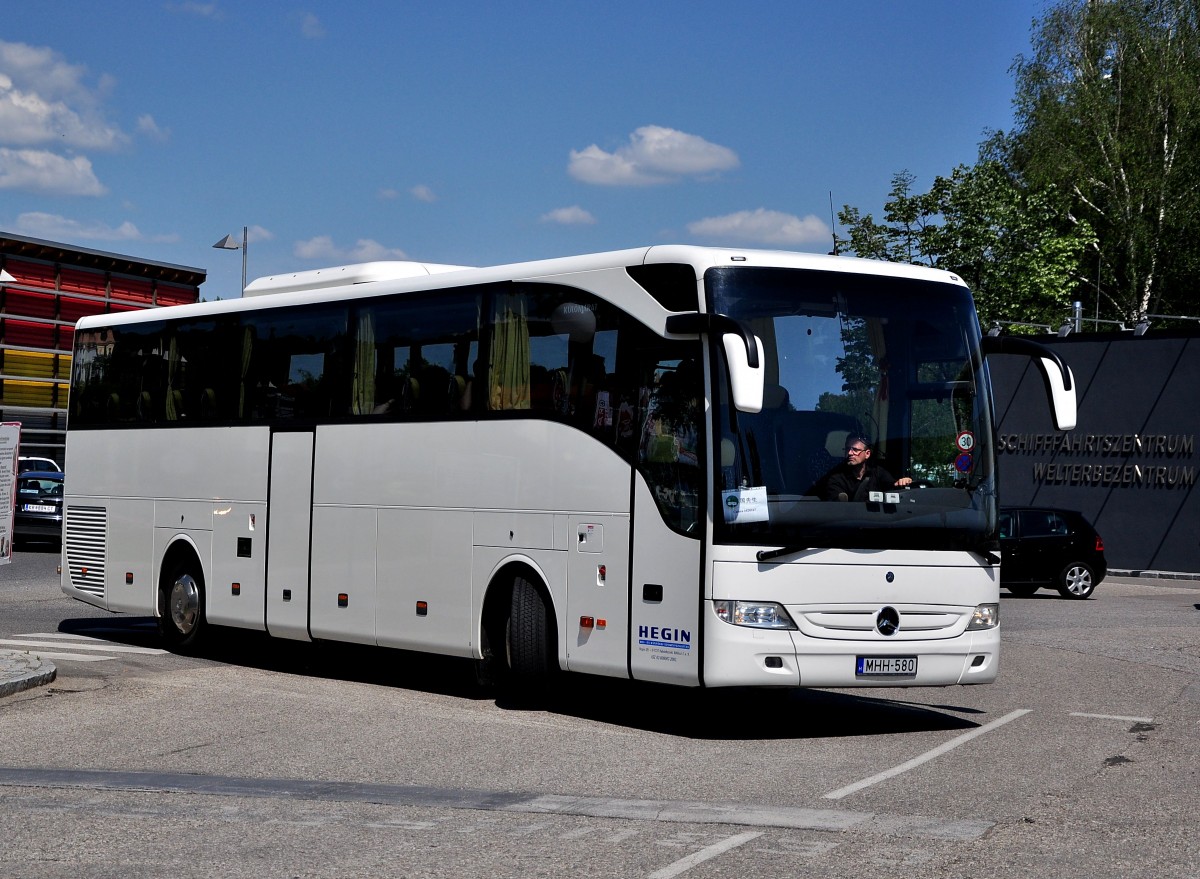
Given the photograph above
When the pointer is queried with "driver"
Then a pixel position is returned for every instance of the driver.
(855, 477)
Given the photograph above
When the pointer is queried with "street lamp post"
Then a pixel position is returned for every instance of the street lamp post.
(231, 243)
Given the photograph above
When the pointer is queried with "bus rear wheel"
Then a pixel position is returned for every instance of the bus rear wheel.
(181, 607)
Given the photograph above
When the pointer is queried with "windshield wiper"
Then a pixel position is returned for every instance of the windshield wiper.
(765, 555)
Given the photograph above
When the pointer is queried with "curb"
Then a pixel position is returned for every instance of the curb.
(1153, 575)
(23, 671)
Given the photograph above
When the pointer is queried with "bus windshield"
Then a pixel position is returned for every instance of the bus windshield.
(875, 430)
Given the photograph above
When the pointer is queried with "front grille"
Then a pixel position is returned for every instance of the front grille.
(859, 623)
(86, 541)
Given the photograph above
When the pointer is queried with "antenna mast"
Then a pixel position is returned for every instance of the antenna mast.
(832, 225)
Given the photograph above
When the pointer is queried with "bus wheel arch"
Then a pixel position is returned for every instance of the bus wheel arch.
(519, 631)
(181, 602)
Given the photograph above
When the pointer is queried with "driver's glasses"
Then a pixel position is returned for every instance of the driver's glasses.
(855, 451)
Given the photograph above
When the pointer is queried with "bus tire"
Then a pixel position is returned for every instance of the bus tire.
(529, 640)
(181, 606)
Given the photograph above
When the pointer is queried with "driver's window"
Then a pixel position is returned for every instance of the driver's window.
(669, 452)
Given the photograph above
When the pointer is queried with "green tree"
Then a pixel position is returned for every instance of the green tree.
(859, 371)
(905, 235)
(1015, 248)
(1108, 111)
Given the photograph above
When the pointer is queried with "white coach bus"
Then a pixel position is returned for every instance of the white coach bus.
(612, 464)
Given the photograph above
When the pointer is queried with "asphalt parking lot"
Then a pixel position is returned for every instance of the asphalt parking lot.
(1081, 759)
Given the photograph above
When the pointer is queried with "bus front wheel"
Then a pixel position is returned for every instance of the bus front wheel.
(181, 607)
(529, 639)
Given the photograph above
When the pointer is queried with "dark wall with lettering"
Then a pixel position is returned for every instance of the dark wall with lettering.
(1131, 463)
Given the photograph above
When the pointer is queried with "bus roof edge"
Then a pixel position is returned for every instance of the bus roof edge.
(336, 276)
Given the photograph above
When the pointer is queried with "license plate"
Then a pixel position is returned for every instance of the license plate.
(886, 666)
(39, 508)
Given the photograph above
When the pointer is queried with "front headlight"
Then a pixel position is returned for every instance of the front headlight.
(755, 614)
(986, 616)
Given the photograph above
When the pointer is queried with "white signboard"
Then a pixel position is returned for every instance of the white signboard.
(10, 447)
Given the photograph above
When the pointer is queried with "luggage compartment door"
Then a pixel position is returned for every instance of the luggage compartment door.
(289, 534)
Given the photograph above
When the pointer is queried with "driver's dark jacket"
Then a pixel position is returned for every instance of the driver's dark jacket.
(841, 481)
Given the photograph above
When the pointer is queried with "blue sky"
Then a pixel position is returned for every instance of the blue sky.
(481, 133)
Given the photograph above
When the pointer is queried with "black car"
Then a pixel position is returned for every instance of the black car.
(1049, 547)
(39, 506)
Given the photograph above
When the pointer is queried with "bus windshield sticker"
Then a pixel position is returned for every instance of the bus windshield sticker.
(745, 504)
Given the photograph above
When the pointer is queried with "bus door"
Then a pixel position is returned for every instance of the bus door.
(668, 521)
(664, 631)
(289, 533)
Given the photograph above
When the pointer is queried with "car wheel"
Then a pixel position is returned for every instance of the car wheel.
(181, 607)
(1076, 581)
(1024, 590)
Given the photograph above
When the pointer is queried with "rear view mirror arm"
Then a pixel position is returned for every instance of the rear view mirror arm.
(1027, 347)
(1060, 385)
(694, 323)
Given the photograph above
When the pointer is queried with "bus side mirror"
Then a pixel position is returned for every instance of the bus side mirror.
(743, 353)
(746, 380)
(1060, 383)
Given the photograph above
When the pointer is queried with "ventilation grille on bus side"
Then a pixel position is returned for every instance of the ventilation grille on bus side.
(86, 541)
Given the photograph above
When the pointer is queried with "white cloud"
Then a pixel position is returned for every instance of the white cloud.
(310, 26)
(42, 68)
(421, 192)
(259, 233)
(59, 228)
(42, 171)
(254, 233)
(320, 247)
(203, 10)
(147, 126)
(653, 155)
(763, 227)
(48, 111)
(593, 165)
(572, 216)
(44, 100)
(364, 250)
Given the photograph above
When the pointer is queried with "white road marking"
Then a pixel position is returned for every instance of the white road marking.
(703, 855)
(1113, 717)
(61, 646)
(793, 817)
(926, 757)
(73, 657)
(653, 812)
(90, 644)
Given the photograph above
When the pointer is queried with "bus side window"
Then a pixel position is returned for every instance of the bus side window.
(412, 356)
